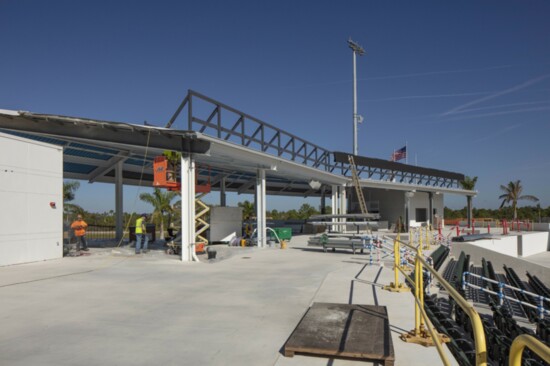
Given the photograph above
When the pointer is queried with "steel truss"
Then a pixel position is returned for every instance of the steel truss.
(229, 124)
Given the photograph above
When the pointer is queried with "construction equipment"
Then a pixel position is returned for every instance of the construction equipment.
(357, 185)
(166, 175)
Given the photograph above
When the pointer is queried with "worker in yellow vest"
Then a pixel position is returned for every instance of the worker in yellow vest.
(141, 234)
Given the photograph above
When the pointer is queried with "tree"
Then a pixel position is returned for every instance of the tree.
(469, 184)
(512, 194)
(248, 209)
(161, 202)
(69, 189)
(306, 210)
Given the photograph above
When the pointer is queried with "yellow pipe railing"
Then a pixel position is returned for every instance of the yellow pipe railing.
(522, 341)
(477, 324)
(395, 286)
(431, 328)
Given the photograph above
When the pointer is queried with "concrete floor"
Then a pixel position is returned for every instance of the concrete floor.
(108, 309)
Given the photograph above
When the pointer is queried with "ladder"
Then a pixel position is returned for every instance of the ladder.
(357, 185)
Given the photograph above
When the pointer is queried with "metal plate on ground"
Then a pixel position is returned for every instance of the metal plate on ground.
(342, 330)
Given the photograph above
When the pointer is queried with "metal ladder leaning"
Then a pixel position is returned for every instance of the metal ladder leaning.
(357, 185)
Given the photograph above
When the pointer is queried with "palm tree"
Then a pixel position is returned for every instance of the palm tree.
(161, 202)
(248, 209)
(513, 194)
(69, 189)
(469, 184)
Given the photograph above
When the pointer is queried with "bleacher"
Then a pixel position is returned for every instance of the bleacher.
(505, 322)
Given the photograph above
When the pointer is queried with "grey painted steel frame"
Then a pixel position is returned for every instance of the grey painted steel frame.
(270, 139)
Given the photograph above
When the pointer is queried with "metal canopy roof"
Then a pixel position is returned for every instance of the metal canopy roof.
(225, 142)
(93, 148)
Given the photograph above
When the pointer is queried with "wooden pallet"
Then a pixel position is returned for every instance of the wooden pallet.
(341, 330)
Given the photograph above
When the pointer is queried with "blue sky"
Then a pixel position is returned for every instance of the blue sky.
(466, 84)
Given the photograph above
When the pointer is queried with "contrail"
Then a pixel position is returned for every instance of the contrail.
(501, 106)
(443, 72)
(426, 96)
(402, 76)
(498, 133)
(498, 94)
(499, 113)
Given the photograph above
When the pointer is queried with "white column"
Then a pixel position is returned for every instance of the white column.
(260, 208)
(119, 210)
(334, 201)
(343, 206)
(408, 196)
(187, 207)
(335, 205)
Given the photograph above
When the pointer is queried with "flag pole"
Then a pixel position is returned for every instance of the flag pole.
(406, 154)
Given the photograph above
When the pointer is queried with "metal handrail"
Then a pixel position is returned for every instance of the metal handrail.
(540, 308)
(477, 324)
(431, 328)
(525, 340)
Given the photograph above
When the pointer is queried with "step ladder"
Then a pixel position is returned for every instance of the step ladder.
(201, 225)
(357, 185)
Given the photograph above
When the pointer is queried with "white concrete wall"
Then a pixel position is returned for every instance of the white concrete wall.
(392, 203)
(31, 176)
(422, 200)
(521, 245)
(534, 243)
(507, 245)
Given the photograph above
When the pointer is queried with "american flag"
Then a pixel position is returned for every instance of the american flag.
(399, 154)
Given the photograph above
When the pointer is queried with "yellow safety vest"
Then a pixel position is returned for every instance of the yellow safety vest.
(139, 222)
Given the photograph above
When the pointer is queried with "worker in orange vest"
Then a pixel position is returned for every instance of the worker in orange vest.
(79, 226)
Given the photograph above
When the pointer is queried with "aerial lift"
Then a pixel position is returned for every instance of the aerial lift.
(166, 175)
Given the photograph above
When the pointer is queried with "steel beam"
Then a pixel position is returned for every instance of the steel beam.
(110, 164)
(222, 192)
(119, 209)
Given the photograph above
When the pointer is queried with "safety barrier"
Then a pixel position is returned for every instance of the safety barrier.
(536, 346)
(501, 296)
(418, 334)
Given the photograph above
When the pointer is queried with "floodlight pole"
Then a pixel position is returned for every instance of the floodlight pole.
(354, 106)
(357, 49)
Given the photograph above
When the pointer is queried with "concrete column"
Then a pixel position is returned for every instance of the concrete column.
(119, 210)
(187, 207)
(222, 193)
(323, 201)
(431, 208)
(343, 206)
(408, 196)
(261, 208)
(334, 198)
(343, 201)
(335, 206)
